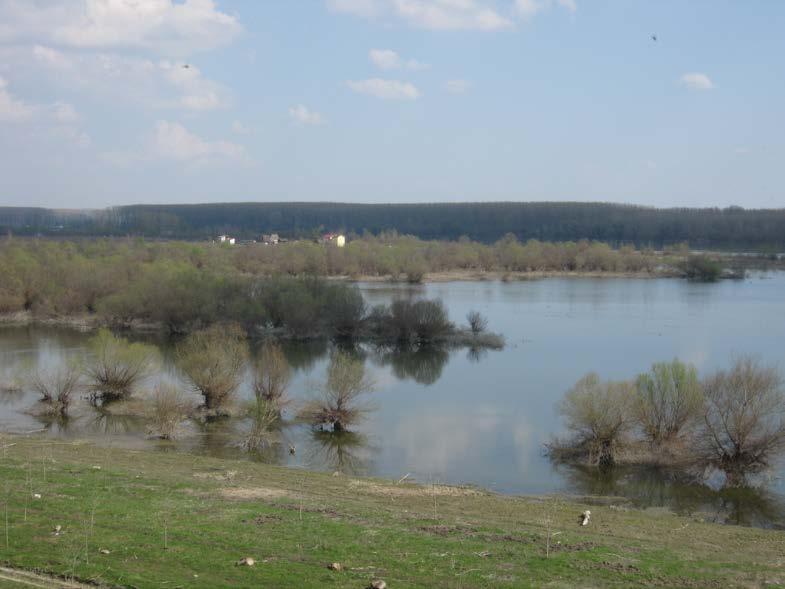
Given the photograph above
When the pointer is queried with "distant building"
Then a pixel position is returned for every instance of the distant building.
(270, 239)
(338, 239)
(226, 239)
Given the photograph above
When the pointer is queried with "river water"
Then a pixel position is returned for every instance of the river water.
(457, 416)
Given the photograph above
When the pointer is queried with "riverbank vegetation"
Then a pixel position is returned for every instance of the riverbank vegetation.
(152, 519)
(733, 420)
(182, 287)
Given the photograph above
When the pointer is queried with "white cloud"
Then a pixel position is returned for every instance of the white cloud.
(162, 84)
(173, 141)
(12, 109)
(696, 81)
(51, 57)
(240, 129)
(458, 86)
(387, 59)
(64, 113)
(197, 93)
(367, 8)
(164, 26)
(385, 89)
(305, 116)
(445, 15)
(451, 15)
(527, 9)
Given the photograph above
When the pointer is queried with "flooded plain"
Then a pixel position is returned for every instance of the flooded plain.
(480, 417)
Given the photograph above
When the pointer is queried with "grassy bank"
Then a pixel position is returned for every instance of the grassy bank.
(170, 520)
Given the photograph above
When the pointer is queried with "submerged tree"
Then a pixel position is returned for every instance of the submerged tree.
(56, 386)
(477, 322)
(117, 366)
(599, 414)
(167, 410)
(213, 360)
(744, 418)
(272, 377)
(338, 404)
(668, 398)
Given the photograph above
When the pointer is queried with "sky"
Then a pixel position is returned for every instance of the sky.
(108, 102)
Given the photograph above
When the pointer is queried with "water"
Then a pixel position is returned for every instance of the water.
(461, 417)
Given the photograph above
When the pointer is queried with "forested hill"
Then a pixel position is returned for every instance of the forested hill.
(728, 228)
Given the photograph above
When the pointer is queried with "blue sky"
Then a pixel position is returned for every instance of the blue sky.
(391, 101)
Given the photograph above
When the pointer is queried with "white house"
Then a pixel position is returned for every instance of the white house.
(226, 239)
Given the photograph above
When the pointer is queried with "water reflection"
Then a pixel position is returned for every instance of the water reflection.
(466, 416)
(680, 492)
(422, 364)
(345, 452)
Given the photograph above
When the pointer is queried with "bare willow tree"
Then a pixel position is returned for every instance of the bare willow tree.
(117, 366)
(56, 386)
(213, 360)
(338, 405)
(744, 418)
(477, 322)
(599, 415)
(669, 397)
(272, 377)
(168, 408)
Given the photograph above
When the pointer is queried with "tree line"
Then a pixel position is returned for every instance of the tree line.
(721, 228)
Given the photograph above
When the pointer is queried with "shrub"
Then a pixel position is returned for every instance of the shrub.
(599, 414)
(118, 366)
(168, 408)
(272, 377)
(420, 321)
(264, 416)
(477, 323)
(344, 308)
(338, 407)
(668, 398)
(743, 426)
(56, 386)
(212, 361)
(701, 268)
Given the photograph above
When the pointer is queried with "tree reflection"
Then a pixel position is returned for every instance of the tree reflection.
(423, 364)
(657, 487)
(345, 452)
(303, 355)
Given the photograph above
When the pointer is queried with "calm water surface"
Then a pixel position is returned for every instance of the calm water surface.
(461, 417)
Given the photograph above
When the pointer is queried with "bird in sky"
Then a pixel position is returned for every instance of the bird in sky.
(654, 37)
(186, 66)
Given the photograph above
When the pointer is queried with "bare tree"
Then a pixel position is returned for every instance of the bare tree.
(668, 398)
(337, 406)
(272, 377)
(477, 323)
(55, 386)
(599, 414)
(167, 410)
(118, 366)
(744, 418)
(213, 360)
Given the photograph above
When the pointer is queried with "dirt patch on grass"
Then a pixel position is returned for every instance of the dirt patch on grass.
(412, 490)
(227, 475)
(447, 530)
(252, 493)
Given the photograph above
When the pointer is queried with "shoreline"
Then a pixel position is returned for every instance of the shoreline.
(154, 518)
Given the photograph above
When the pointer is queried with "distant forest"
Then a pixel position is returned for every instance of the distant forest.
(616, 224)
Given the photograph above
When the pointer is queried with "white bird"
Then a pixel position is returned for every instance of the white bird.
(584, 518)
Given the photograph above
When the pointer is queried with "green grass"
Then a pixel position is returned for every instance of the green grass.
(175, 520)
